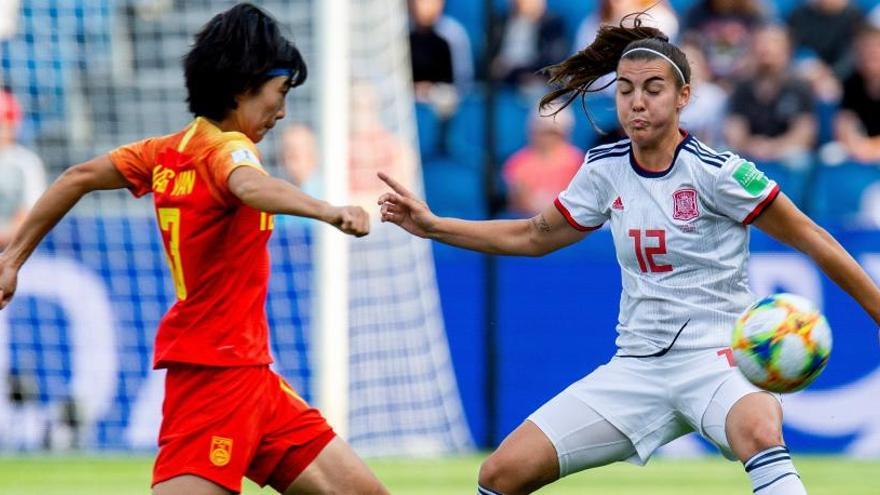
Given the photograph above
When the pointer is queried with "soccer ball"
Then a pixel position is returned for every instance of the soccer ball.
(781, 343)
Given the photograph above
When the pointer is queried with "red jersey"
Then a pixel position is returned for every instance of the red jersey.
(215, 245)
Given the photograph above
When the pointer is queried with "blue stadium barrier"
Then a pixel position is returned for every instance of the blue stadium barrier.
(556, 318)
(839, 190)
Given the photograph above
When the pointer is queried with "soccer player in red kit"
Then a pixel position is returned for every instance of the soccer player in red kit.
(226, 414)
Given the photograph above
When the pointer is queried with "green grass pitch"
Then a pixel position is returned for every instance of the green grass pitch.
(124, 475)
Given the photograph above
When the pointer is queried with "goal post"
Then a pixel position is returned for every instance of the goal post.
(332, 261)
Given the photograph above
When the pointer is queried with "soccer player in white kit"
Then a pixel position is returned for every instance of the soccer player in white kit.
(679, 213)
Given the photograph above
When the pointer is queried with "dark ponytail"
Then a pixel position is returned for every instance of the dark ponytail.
(575, 75)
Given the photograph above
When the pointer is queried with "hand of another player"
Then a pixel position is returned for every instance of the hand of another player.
(8, 281)
(401, 207)
(352, 220)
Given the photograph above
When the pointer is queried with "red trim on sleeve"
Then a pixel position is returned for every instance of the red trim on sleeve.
(571, 221)
(762, 205)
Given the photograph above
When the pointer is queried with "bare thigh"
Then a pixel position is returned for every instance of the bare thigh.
(189, 485)
(336, 470)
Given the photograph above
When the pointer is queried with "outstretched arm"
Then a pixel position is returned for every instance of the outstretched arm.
(537, 236)
(264, 193)
(786, 223)
(58, 199)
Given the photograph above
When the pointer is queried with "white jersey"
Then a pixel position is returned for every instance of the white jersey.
(681, 238)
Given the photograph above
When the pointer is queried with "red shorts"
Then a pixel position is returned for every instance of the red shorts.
(225, 423)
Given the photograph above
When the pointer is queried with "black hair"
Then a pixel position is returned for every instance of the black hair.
(232, 55)
(575, 75)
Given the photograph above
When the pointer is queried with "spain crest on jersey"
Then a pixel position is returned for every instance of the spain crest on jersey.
(685, 204)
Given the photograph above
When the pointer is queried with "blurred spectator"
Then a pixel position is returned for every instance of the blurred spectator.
(298, 151)
(771, 114)
(825, 29)
(708, 103)
(538, 172)
(526, 40)
(857, 125)
(723, 28)
(441, 57)
(22, 170)
(431, 54)
(374, 148)
(610, 12)
(428, 15)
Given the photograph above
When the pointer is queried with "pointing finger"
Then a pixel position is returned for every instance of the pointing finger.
(393, 184)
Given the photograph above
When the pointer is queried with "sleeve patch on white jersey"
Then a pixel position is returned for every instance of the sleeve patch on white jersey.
(244, 155)
(750, 178)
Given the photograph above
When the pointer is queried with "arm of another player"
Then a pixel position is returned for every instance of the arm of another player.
(537, 236)
(265, 193)
(783, 221)
(59, 198)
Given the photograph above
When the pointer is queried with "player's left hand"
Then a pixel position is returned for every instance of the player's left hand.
(8, 281)
(352, 220)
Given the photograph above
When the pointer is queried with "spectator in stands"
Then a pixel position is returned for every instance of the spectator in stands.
(611, 12)
(426, 16)
(21, 169)
(771, 113)
(538, 172)
(526, 40)
(857, 124)
(708, 103)
(723, 28)
(298, 151)
(431, 54)
(824, 30)
(373, 148)
(441, 57)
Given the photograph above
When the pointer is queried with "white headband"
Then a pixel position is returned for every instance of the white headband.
(655, 52)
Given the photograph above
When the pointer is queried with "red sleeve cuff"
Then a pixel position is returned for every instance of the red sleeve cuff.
(571, 221)
(762, 206)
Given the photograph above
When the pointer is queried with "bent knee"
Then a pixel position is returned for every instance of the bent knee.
(754, 437)
(490, 473)
(508, 478)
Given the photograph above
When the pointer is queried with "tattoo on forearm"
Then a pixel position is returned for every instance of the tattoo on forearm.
(541, 223)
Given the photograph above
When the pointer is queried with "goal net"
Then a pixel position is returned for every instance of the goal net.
(76, 343)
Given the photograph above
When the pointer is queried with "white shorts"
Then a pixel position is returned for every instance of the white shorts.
(652, 401)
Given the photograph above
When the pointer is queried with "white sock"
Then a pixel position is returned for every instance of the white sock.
(485, 491)
(773, 473)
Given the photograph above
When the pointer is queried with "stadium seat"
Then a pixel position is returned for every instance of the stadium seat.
(428, 126)
(839, 189)
(512, 114)
(454, 189)
(791, 182)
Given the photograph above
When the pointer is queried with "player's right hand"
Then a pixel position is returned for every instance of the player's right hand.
(401, 207)
(8, 281)
(352, 220)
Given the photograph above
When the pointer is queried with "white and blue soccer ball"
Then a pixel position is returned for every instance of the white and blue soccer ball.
(781, 343)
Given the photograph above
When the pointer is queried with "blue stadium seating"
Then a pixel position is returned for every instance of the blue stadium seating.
(466, 136)
(454, 189)
(839, 190)
(428, 127)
